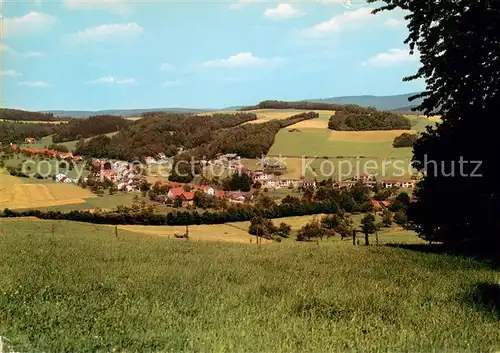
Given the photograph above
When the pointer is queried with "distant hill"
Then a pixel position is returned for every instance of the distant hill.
(395, 103)
(121, 112)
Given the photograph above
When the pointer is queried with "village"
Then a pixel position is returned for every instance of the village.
(128, 177)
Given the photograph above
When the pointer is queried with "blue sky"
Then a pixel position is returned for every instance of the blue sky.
(110, 54)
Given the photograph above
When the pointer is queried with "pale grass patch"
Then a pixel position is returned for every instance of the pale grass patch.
(315, 123)
(216, 232)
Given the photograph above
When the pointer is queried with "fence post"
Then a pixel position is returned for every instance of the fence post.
(116, 231)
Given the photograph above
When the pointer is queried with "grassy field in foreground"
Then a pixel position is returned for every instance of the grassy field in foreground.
(84, 290)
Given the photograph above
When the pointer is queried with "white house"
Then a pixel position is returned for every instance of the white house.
(207, 189)
(60, 177)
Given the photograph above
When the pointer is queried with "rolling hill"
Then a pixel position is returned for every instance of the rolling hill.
(398, 102)
(121, 112)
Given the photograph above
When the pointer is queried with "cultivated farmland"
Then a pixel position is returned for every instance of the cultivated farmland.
(16, 194)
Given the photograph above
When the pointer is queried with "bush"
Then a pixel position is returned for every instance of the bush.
(405, 140)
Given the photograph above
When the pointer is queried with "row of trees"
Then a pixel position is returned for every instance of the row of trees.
(275, 104)
(369, 120)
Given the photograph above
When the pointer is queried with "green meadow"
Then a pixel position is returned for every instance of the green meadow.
(79, 288)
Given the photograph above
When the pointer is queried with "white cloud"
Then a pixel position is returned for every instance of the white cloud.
(390, 58)
(114, 6)
(126, 81)
(392, 22)
(282, 12)
(6, 49)
(338, 22)
(240, 4)
(10, 73)
(242, 60)
(39, 84)
(108, 32)
(166, 67)
(112, 80)
(171, 83)
(31, 23)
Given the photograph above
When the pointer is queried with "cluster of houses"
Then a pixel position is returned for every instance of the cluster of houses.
(370, 180)
(120, 173)
(52, 153)
(161, 158)
(178, 191)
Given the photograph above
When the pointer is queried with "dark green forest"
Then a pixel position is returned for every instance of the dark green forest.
(16, 132)
(23, 115)
(368, 120)
(84, 128)
(165, 133)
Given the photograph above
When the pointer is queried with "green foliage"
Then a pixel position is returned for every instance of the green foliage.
(405, 140)
(386, 218)
(262, 227)
(369, 120)
(161, 134)
(284, 230)
(404, 198)
(238, 182)
(400, 218)
(56, 147)
(92, 126)
(23, 115)
(461, 67)
(310, 231)
(16, 132)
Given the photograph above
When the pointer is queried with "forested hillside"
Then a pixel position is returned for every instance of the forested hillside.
(23, 115)
(95, 125)
(16, 132)
(161, 133)
(273, 104)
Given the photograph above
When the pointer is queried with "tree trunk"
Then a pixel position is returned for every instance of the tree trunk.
(366, 238)
(354, 237)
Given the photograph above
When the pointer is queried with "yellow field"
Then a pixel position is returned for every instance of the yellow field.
(235, 232)
(316, 123)
(15, 194)
(367, 136)
(216, 232)
(133, 118)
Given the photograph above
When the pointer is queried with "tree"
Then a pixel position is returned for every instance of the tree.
(386, 218)
(404, 198)
(368, 226)
(238, 181)
(284, 230)
(177, 202)
(262, 227)
(400, 218)
(310, 230)
(461, 68)
(330, 221)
